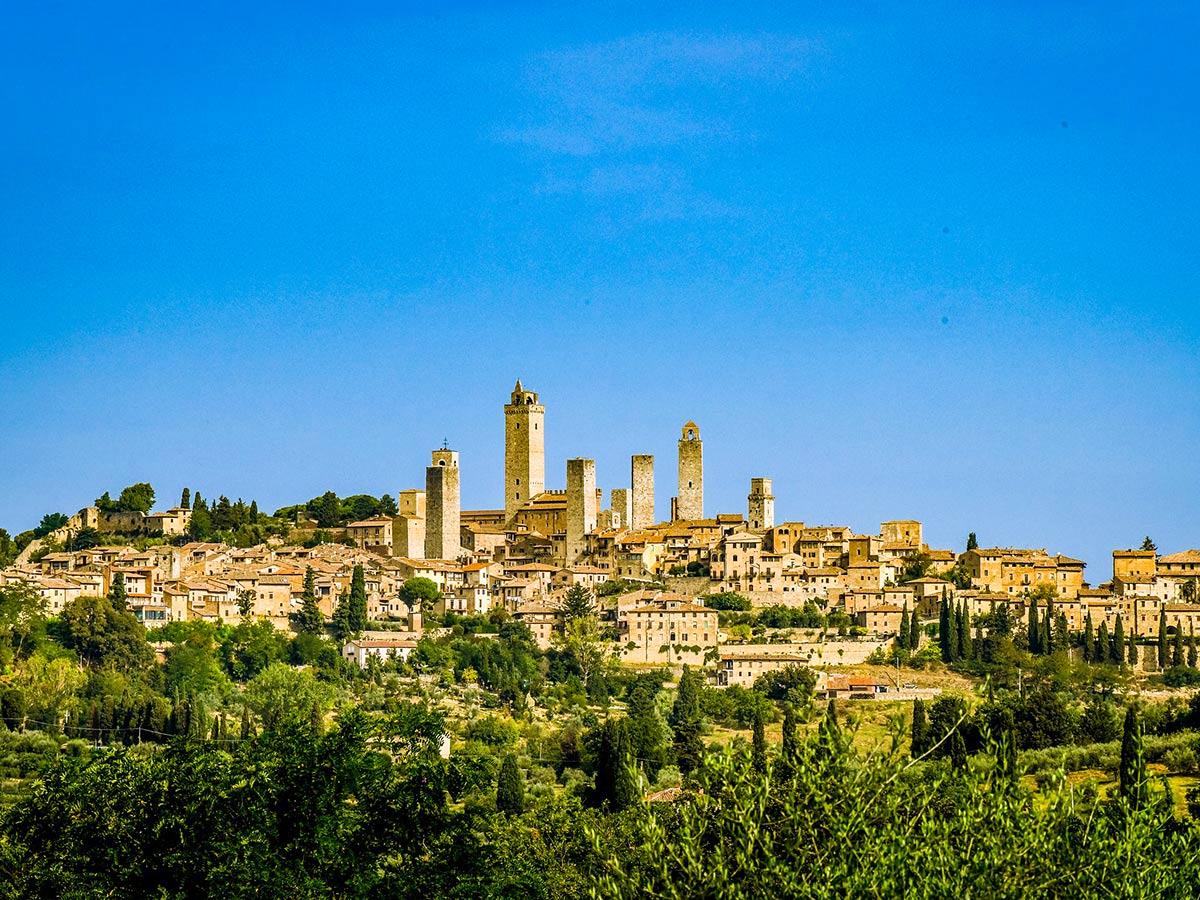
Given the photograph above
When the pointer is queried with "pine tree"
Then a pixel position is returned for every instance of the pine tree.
(117, 593)
(1102, 652)
(920, 729)
(1177, 646)
(905, 625)
(1033, 629)
(185, 500)
(1162, 639)
(1132, 771)
(1148, 544)
(510, 787)
(578, 603)
(1089, 639)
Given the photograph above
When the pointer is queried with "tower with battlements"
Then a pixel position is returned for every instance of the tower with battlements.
(524, 449)
(690, 502)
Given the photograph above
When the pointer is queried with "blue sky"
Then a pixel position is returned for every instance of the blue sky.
(941, 266)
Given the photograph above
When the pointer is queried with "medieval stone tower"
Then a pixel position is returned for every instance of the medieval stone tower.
(690, 504)
(442, 540)
(761, 514)
(642, 480)
(622, 505)
(524, 449)
(581, 505)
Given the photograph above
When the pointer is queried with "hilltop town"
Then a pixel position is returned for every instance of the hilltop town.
(661, 585)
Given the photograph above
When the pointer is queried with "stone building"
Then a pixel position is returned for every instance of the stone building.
(642, 485)
(622, 507)
(442, 490)
(524, 449)
(761, 508)
(581, 505)
(690, 499)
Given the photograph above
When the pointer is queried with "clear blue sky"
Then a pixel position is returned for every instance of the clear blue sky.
(939, 265)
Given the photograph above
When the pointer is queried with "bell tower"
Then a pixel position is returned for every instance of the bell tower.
(524, 449)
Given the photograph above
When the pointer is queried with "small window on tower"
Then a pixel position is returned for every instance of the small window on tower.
(518, 481)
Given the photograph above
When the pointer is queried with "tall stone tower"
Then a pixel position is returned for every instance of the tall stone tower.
(691, 474)
(642, 480)
(761, 515)
(524, 449)
(581, 505)
(622, 505)
(442, 540)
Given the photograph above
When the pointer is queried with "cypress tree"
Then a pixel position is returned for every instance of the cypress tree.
(790, 744)
(245, 733)
(617, 785)
(759, 743)
(358, 601)
(914, 633)
(1033, 629)
(117, 593)
(944, 638)
(216, 729)
(1062, 635)
(1177, 646)
(1102, 652)
(510, 787)
(310, 619)
(1089, 638)
(964, 632)
(185, 500)
(1132, 772)
(1162, 639)
(1006, 746)
(1118, 645)
(1133, 648)
(905, 625)
(1192, 654)
(316, 718)
(920, 729)
(1048, 629)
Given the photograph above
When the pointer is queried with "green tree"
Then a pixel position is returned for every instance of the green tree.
(280, 692)
(946, 634)
(387, 506)
(686, 721)
(920, 729)
(617, 783)
(1102, 651)
(1162, 639)
(1191, 656)
(104, 636)
(759, 742)
(1187, 591)
(117, 593)
(419, 593)
(50, 522)
(1149, 545)
(1089, 640)
(914, 633)
(329, 510)
(963, 639)
(790, 746)
(972, 543)
(136, 498)
(1133, 784)
(8, 549)
(905, 627)
(1133, 649)
(510, 787)
(309, 620)
(1118, 643)
(185, 499)
(245, 601)
(1033, 630)
(1177, 646)
(578, 603)
(358, 601)
(200, 527)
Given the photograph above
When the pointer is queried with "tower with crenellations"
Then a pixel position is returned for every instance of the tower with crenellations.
(690, 502)
(524, 449)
